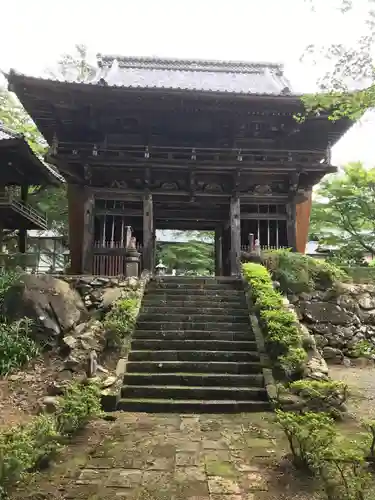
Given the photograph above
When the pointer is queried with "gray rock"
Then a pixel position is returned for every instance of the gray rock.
(72, 363)
(109, 381)
(110, 296)
(70, 341)
(50, 404)
(325, 312)
(332, 354)
(64, 375)
(52, 305)
(366, 301)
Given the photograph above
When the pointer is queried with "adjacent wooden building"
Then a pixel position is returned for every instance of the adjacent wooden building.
(180, 144)
(20, 169)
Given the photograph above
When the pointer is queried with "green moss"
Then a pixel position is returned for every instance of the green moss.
(282, 335)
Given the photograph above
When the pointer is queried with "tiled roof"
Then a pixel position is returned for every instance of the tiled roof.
(6, 135)
(200, 75)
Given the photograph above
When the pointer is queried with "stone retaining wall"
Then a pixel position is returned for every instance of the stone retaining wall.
(342, 320)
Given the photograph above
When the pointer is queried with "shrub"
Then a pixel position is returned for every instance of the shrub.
(120, 321)
(325, 396)
(26, 447)
(308, 434)
(7, 278)
(283, 338)
(298, 273)
(79, 405)
(16, 347)
(363, 348)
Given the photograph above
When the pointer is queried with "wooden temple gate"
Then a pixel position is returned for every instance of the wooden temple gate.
(167, 144)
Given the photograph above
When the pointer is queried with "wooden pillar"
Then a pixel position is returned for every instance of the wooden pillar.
(148, 233)
(218, 251)
(303, 211)
(291, 225)
(235, 236)
(22, 240)
(88, 231)
(76, 217)
(225, 240)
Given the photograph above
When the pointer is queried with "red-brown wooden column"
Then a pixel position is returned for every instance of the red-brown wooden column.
(76, 221)
(148, 233)
(219, 251)
(88, 231)
(303, 211)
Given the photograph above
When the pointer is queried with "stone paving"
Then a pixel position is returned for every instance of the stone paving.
(168, 457)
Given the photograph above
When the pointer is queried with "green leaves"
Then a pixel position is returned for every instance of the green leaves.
(281, 333)
(344, 213)
(16, 347)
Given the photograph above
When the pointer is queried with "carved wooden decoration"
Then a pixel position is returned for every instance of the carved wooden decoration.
(213, 188)
(169, 186)
(262, 189)
(119, 184)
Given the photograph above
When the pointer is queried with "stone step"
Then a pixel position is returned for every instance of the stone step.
(191, 345)
(193, 335)
(213, 367)
(196, 285)
(195, 279)
(200, 393)
(197, 302)
(194, 325)
(220, 356)
(195, 379)
(191, 318)
(199, 308)
(191, 406)
(186, 293)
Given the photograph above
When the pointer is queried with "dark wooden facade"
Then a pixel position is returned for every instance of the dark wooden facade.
(161, 144)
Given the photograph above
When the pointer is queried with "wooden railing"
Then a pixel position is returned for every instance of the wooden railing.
(25, 209)
(109, 258)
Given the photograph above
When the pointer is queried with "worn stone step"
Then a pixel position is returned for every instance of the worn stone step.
(201, 393)
(201, 316)
(198, 309)
(223, 356)
(193, 335)
(193, 367)
(191, 406)
(195, 279)
(193, 325)
(194, 285)
(195, 379)
(178, 302)
(193, 292)
(191, 345)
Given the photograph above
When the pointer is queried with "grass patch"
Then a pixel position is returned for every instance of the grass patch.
(16, 347)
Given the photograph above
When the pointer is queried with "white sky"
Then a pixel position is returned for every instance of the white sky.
(34, 33)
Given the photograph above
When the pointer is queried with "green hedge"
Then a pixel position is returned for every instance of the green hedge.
(361, 274)
(282, 336)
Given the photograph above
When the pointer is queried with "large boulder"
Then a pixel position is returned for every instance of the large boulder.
(52, 305)
(325, 312)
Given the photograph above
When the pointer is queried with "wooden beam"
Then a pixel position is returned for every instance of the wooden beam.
(88, 231)
(148, 233)
(235, 236)
(218, 251)
(226, 249)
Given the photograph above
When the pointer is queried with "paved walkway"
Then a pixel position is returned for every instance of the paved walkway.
(169, 457)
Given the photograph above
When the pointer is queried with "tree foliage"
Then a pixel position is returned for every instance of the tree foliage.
(344, 212)
(191, 257)
(349, 86)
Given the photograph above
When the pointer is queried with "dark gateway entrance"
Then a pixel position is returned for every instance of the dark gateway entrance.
(172, 144)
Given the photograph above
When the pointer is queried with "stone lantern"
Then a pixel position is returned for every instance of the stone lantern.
(160, 269)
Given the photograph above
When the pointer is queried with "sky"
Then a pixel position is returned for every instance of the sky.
(36, 33)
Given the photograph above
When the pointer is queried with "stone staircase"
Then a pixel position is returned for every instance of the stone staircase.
(193, 350)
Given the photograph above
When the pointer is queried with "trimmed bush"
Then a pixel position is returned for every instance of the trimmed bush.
(282, 336)
(16, 347)
(298, 273)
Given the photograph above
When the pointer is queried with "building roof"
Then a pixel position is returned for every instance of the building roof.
(201, 75)
(18, 143)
